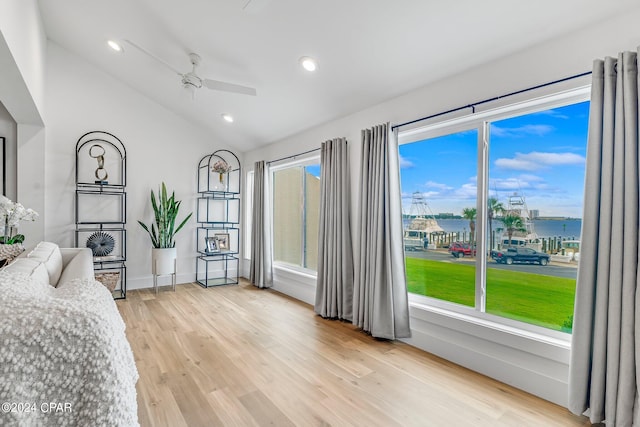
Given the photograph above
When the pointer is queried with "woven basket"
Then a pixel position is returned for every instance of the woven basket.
(9, 252)
(109, 280)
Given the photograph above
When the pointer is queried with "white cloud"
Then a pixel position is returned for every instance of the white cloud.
(518, 183)
(405, 164)
(437, 185)
(537, 160)
(425, 194)
(466, 191)
(552, 113)
(530, 178)
(509, 184)
(537, 130)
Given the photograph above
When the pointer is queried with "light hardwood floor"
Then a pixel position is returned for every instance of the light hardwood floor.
(237, 355)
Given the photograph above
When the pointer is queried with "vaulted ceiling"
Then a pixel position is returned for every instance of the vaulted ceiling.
(368, 51)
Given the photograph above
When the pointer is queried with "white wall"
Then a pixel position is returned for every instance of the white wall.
(160, 147)
(540, 367)
(22, 54)
(22, 68)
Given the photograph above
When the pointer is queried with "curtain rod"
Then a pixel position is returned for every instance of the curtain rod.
(475, 104)
(294, 156)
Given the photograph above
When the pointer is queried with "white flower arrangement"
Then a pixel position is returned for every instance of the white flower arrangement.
(221, 167)
(11, 213)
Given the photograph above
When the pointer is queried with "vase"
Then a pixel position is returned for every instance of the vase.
(220, 184)
(163, 261)
(7, 233)
(9, 252)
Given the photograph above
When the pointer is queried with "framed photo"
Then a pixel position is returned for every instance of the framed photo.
(223, 241)
(212, 244)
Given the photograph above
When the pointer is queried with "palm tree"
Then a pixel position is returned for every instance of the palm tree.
(470, 214)
(493, 207)
(513, 223)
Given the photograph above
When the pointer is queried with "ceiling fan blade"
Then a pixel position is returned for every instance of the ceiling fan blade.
(143, 50)
(228, 87)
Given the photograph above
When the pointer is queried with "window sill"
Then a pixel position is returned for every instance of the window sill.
(295, 283)
(554, 346)
(299, 271)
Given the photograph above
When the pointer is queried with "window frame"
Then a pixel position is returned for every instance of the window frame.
(481, 122)
(307, 160)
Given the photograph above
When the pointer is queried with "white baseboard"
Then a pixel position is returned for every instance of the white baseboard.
(147, 281)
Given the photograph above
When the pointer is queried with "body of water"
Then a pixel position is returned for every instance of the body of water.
(566, 228)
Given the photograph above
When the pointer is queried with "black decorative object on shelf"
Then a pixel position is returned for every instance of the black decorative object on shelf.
(101, 206)
(101, 243)
(218, 216)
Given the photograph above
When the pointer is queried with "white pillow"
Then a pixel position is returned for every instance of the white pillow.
(80, 267)
(49, 254)
(32, 267)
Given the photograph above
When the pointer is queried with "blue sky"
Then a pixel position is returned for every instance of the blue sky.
(313, 170)
(540, 155)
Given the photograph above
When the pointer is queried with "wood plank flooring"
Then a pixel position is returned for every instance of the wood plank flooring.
(240, 356)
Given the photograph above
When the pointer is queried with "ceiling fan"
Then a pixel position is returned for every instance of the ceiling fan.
(192, 81)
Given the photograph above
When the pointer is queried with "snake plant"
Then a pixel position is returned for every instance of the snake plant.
(165, 210)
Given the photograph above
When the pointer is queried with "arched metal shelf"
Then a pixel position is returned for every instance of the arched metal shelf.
(101, 203)
(218, 217)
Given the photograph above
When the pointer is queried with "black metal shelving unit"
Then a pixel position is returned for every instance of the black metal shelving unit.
(101, 205)
(218, 215)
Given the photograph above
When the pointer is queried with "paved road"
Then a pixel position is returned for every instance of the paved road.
(553, 269)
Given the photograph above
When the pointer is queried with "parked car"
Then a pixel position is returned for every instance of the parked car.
(524, 255)
(462, 249)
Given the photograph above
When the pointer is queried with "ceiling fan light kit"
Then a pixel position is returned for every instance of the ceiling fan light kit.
(191, 78)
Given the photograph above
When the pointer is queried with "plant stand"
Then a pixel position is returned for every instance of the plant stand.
(165, 263)
(173, 281)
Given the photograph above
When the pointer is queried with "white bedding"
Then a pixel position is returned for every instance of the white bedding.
(64, 356)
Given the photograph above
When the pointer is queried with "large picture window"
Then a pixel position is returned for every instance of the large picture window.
(492, 211)
(296, 208)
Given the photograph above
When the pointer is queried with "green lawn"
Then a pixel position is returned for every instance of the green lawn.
(533, 298)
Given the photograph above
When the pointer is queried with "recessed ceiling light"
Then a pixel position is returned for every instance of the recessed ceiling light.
(308, 63)
(114, 45)
(228, 118)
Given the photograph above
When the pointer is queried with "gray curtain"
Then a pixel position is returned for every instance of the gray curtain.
(260, 273)
(380, 304)
(334, 290)
(605, 348)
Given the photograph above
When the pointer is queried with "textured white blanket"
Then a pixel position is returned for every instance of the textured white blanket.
(64, 356)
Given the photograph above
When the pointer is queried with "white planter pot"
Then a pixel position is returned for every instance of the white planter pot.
(163, 261)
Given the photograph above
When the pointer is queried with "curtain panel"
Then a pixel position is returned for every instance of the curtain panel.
(603, 380)
(334, 290)
(261, 266)
(380, 304)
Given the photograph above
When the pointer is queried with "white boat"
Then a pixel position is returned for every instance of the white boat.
(526, 238)
(418, 234)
